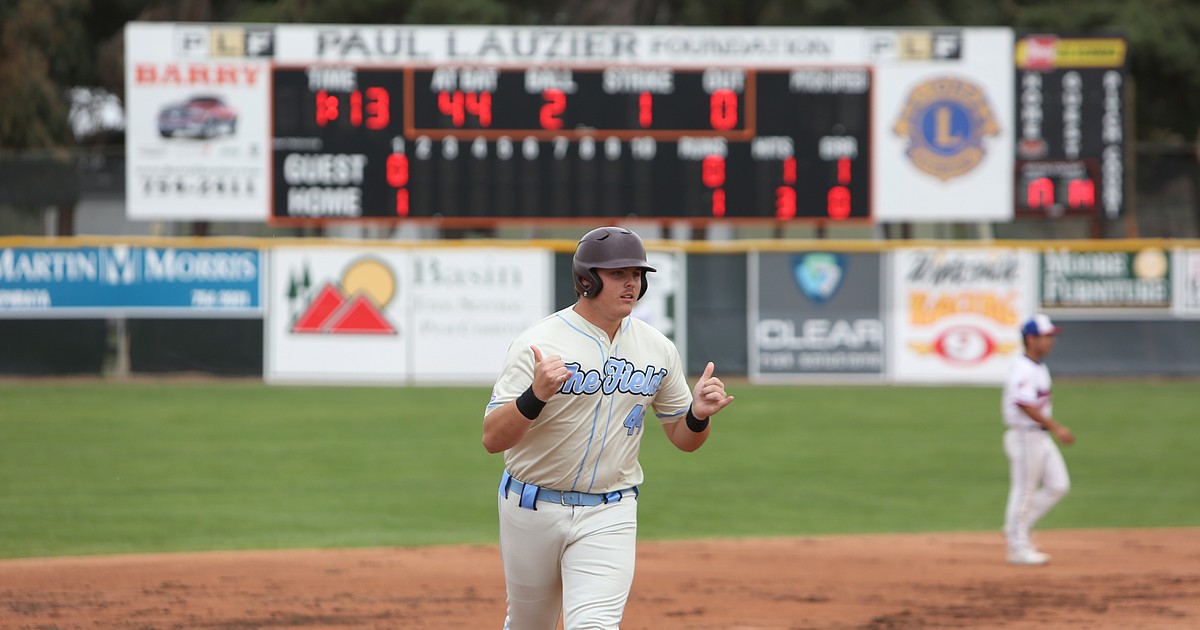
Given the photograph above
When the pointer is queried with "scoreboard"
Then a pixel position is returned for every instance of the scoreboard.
(1070, 152)
(475, 125)
(475, 142)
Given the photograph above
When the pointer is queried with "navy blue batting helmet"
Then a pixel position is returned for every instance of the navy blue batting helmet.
(607, 248)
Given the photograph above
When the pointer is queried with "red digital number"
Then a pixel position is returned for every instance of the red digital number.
(356, 113)
(480, 106)
(374, 109)
(451, 104)
(645, 109)
(378, 108)
(457, 105)
(843, 168)
(402, 202)
(1040, 193)
(789, 170)
(397, 177)
(550, 115)
(327, 108)
(1081, 193)
(712, 171)
(718, 205)
(722, 110)
(397, 170)
(838, 202)
(785, 203)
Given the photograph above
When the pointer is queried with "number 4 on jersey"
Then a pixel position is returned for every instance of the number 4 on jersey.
(634, 420)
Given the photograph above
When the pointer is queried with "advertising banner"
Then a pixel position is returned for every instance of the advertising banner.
(129, 281)
(1187, 282)
(1105, 280)
(956, 313)
(552, 46)
(943, 124)
(197, 139)
(390, 316)
(815, 314)
(337, 315)
(469, 304)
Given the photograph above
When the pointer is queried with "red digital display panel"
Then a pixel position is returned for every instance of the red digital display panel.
(480, 144)
(611, 100)
(1058, 188)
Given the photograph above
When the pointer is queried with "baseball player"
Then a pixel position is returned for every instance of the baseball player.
(1037, 471)
(568, 410)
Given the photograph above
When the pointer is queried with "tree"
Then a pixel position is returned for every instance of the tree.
(42, 51)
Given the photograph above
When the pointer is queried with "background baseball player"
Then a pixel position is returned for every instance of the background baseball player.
(568, 411)
(1037, 471)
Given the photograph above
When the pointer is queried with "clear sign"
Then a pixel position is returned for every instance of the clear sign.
(815, 313)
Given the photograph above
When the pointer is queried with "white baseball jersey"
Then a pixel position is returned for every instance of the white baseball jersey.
(1038, 476)
(1029, 384)
(587, 437)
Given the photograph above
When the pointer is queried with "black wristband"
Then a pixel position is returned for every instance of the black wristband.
(696, 424)
(529, 405)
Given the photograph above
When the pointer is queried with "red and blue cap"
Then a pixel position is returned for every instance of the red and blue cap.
(1039, 325)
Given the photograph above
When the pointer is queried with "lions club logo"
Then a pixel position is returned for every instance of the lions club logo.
(945, 121)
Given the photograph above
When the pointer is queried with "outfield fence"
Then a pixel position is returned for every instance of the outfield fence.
(434, 312)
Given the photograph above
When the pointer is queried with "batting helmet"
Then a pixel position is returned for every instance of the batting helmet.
(607, 248)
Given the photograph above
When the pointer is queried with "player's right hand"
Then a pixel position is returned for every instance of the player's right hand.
(1063, 434)
(549, 374)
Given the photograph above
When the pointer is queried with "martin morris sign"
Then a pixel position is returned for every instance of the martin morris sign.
(125, 280)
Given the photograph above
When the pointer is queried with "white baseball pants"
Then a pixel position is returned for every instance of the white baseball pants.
(1038, 480)
(565, 561)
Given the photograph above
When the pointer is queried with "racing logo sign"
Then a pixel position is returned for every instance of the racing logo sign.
(964, 344)
(957, 312)
(945, 121)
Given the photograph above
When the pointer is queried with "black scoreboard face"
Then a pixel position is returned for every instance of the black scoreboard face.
(476, 144)
(1070, 103)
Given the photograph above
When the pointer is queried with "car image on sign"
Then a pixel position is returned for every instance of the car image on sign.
(197, 117)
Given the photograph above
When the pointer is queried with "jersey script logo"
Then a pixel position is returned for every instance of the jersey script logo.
(945, 121)
(618, 375)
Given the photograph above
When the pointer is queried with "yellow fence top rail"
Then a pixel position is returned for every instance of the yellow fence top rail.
(568, 245)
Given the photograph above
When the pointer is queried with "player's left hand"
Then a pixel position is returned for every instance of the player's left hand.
(709, 396)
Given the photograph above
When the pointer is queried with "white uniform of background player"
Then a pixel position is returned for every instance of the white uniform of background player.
(1037, 472)
(568, 497)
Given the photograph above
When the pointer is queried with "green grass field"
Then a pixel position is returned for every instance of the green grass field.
(114, 468)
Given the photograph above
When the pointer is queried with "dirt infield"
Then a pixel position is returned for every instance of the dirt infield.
(1146, 578)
